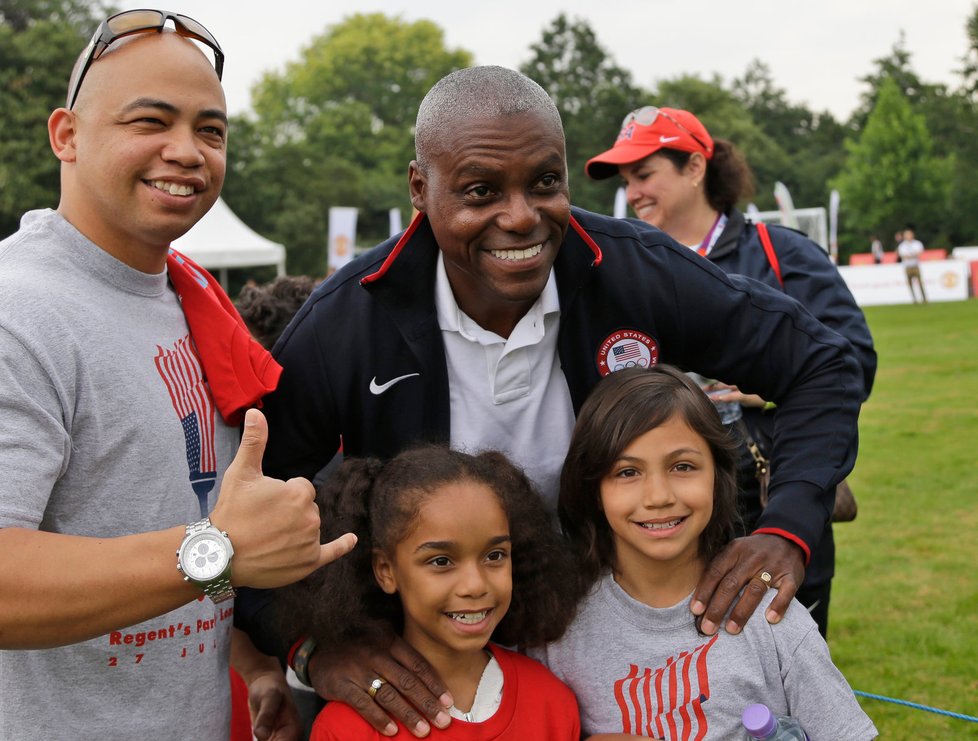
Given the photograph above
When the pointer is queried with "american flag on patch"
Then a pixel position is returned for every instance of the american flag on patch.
(181, 371)
(667, 703)
(627, 350)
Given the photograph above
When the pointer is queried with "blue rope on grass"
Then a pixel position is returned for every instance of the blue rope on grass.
(959, 716)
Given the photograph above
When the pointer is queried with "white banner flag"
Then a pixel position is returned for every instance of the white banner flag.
(342, 236)
(621, 204)
(834, 226)
(785, 205)
(395, 221)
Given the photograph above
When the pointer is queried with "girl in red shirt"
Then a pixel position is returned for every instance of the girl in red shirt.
(454, 550)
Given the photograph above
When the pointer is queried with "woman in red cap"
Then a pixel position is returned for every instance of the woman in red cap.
(681, 180)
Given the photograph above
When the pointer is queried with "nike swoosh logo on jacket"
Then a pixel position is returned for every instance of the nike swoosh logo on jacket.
(377, 389)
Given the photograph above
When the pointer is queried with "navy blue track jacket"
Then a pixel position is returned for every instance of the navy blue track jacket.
(375, 320)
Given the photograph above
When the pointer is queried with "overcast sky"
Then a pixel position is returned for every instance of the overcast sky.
(817, 51)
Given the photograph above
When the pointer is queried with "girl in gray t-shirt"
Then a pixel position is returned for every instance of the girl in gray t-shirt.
(648, 497)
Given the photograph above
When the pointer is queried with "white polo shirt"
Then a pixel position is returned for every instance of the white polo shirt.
(508, 394)
(909, 251)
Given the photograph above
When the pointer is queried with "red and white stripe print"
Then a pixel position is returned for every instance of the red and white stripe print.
(667, 703)
(183, 375)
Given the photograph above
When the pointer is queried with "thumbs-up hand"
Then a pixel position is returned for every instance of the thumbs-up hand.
(273, 525)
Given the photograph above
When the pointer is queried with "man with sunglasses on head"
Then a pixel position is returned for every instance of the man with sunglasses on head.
(128, 511)
(488, 321)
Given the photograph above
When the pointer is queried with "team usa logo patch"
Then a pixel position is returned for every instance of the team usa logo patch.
(626, 348)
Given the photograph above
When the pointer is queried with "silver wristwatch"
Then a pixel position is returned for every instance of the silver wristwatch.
(204, 559)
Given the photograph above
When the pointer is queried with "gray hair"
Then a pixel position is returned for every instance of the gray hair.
(489, 91)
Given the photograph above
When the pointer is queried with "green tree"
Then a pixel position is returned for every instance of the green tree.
(591, 92)
(39, 40)
(969, 70)
(950, 117)
(895, 68)
(961, 224)
(810, 143)
(285, 193)
(726, 117)
(892, 174)
(955, 125)
(336, 128)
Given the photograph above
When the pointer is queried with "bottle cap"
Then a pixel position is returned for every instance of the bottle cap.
(759, 721)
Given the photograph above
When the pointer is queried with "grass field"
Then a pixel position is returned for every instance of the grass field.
(904, 616)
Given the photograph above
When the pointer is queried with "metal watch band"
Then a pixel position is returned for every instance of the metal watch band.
(219, 590)
(198, 527)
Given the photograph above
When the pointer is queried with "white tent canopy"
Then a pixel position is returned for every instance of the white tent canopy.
(221, 240)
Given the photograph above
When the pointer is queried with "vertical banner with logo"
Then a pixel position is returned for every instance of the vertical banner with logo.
(395, 222)
(342, 236)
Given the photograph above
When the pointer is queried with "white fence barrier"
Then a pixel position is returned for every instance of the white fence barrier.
(872, 285)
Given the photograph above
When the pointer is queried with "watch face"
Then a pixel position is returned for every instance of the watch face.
(204, 557)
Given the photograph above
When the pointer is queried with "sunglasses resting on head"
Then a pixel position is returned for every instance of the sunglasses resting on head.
(131, 22)
(647, 115)
(645, 131)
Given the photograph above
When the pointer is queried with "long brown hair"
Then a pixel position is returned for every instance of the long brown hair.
(623, 406)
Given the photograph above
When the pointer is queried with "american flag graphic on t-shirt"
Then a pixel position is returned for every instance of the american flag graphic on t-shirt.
(667, 703)
(181, 371)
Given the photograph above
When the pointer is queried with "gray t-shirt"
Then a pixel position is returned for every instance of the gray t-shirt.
(107, 428)
(646, 671)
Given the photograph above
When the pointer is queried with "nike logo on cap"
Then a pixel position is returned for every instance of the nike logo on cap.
(377, 389)
(667, 139)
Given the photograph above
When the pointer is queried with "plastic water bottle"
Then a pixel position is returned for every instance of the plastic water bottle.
(729, 411)
(763, 725)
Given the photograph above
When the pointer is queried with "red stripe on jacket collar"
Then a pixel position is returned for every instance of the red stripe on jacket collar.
(587, 240)
(415, 223)
(382, 270)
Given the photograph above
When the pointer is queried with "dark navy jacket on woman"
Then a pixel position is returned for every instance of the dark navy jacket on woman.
(809, 277)
(814, 281)
(375, 320)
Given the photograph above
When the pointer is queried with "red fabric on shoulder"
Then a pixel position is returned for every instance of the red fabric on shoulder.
(240, 714)
(238, 369)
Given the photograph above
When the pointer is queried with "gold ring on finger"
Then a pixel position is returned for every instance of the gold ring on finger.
(375, 686)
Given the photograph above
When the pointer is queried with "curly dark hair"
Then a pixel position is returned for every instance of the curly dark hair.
(267, 309)
(623, 406)
(729, 179)
(381, 503)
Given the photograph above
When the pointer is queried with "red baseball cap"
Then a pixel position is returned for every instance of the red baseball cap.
(647, 130)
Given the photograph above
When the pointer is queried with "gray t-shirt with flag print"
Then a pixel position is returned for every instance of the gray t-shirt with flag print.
(647, 672)
(107, 428)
